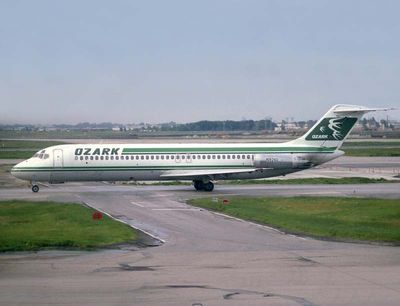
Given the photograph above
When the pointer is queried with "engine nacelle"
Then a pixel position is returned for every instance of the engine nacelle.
(281, 161)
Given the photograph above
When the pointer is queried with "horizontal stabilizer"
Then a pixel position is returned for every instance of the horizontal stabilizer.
(355, 110)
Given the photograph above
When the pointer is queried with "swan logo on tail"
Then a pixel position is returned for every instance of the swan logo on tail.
(335, 129)
(336, 126)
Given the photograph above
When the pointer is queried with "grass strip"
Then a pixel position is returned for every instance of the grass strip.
(312, 180)
(23, 149)
(17, 154)
(351, 144)
(354, 219)
(27, 144)
(31, 226)
(372, 152)
(302, 181)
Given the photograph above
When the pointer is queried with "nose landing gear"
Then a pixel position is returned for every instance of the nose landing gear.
(201, 186)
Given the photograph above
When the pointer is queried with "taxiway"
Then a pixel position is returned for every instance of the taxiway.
(206, 259)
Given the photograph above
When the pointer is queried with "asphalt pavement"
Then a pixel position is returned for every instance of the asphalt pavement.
(203, 258)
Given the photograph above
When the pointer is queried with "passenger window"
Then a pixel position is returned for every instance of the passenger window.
(116, 157)
(106, 157)
(248, 156)
(198, 156)
(218, 156)
(228, 157)
(86, 157)
(91, 157)
(203, 156)
(157, 157)
(81, 158)
(112, 157)
(96, 157)
(76, 157)
(233, 156)
(147, 157)
(101, 157)
(194, 156)
(208, 156)
(223, 156)
(142, 157)
(166, 156)
(172, 156)
(243, 156)
(183, 156)
(162, 157)
(238, 157)
(137, 157)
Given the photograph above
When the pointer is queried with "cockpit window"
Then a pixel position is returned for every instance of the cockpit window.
(41, 154)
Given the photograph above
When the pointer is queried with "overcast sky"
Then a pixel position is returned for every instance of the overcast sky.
(158, 61)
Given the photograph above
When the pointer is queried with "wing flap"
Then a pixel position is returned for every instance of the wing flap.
(204, 172)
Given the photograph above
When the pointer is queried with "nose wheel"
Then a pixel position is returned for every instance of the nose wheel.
(35, 188)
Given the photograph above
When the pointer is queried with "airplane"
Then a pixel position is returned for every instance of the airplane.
(200, 163)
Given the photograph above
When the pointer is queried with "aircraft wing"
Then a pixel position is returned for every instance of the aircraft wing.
(206, 173)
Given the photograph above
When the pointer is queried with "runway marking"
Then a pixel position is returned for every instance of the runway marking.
(127, 223)
(137, 204)
(264, 227)
(172, 209)
(319, 192)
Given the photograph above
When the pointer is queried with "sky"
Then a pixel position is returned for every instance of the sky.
(160, 61)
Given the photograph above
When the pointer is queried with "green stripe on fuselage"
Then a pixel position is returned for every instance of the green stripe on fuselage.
(233, 150)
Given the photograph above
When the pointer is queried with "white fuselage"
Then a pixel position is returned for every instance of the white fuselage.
(124, 162)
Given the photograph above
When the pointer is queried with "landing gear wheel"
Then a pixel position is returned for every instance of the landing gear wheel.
(208, 186)
(198, 185)
(35, 188)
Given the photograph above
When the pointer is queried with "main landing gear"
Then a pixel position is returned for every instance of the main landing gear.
(202, 186)
(35, 188)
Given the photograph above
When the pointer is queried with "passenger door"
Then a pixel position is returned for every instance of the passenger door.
(58, 160)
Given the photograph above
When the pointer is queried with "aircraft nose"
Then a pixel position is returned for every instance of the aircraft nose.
(14, 170)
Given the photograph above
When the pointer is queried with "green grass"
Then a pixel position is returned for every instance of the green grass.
(376, 220)
(303, 181)
(352, 144)
(72, 134)
(23, 149)
(372, 152)
(27, 144)
(16, 154)
(30, 226)
(314, 180)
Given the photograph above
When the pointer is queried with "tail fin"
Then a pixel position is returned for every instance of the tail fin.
(334, 127)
